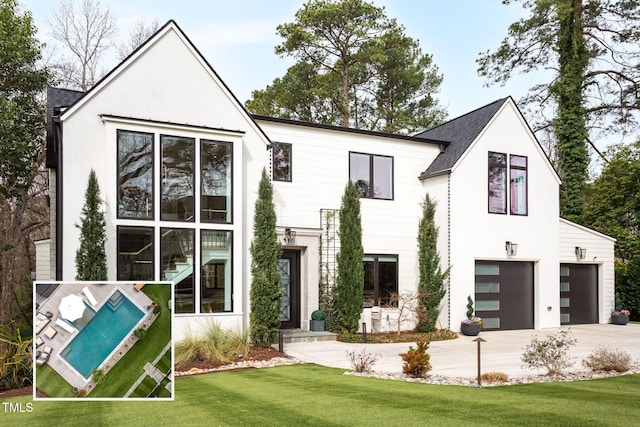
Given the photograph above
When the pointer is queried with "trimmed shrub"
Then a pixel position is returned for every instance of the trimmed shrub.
(362, 361)
(494, 377)
(318, 315)
(604, 359)
(551, 353)
(416, 360)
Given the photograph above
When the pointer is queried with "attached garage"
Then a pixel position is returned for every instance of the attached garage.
(504, 294)
(578, 294)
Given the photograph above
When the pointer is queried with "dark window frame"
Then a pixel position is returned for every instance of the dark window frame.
(153, 175)
(193, 177)
(202, 141)
(289, 146)
(201, 269)
(119, 266)
(370, 193)
(166, 230)
(524, 168)
(376, 277)
(492, 165)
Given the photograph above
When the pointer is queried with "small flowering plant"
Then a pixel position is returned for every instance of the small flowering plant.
(624, 313)
(475, 320)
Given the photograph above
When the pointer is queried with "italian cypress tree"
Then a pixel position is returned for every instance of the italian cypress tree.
(91, 257)
(350, 280)
(430, 285)
(266, 284)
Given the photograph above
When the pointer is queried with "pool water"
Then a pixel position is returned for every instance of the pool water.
(102, 334)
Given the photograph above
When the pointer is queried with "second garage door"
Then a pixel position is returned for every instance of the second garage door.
(504, 294)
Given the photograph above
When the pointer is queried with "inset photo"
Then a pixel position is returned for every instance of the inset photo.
(103, 340)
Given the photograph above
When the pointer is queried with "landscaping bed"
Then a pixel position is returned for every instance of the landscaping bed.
(255, 354)
(395, 337)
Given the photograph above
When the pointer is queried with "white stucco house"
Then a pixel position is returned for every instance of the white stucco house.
(179, 159)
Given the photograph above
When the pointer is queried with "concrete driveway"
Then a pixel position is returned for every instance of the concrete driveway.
(458, 358)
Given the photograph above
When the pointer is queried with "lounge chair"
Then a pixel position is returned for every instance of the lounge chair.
(44, 355)
(138, 286)
(41, 322)
(39, 341)
(64, 325)
(50, 332)
(89, 296)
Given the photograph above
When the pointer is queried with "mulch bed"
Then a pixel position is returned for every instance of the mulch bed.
(255, 354)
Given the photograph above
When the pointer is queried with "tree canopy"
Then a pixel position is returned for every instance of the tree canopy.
(22, 122)
(591, 48)
(356, 68)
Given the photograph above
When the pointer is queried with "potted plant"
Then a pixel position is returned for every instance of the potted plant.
(620, 317)
(317, 321)
(472, 325)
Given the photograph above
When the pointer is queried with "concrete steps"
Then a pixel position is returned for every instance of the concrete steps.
(298, 335)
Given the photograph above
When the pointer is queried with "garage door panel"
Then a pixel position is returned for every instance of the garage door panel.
(504, 294)
(578, 294)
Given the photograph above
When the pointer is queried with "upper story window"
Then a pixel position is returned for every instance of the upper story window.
(135, 175)
(177, 178)
(372, 175)
(215, 196)
(281, 161)
(517, 190)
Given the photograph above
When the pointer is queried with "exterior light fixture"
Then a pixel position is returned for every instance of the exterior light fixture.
(581, 253)
(511, 248)
(289, 236)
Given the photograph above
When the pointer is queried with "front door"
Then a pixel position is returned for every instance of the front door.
(289, 269)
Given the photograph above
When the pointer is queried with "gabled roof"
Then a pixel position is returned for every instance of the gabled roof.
(171, 25)
(457, 135)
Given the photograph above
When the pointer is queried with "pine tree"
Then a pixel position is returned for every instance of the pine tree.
(91, 257)
(266, 284)
(430, 285)
(350, 280)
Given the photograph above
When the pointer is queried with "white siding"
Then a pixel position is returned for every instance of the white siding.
(600, 252)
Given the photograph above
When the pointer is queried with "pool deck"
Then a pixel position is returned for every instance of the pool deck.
(101, 293)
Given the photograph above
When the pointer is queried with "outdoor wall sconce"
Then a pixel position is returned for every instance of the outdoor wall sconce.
(511, 248)
(581, 253)
(289, 236)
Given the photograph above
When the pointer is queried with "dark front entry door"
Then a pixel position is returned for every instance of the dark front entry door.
(289, 269)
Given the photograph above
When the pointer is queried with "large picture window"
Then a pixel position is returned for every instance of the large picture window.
(215, 200)
(380, 279)
(518, 185)
(215, 278)
(372, 175)
(135, 253)
(176, 246)
(135, 174)
(177, 178)
(281, 161)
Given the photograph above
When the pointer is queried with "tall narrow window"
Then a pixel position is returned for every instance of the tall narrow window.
(372, 175)
(281, 160)
(380, 279)
(215, 198)
(497, 183)
(135, 253)
(215, 278)
(177, 178)
(176, 246)
(135, 174)
(518, 184)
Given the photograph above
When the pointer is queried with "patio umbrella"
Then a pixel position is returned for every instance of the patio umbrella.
(71, 307)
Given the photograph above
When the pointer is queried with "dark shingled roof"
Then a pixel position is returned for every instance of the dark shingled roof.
(57, 98)
(458, 134)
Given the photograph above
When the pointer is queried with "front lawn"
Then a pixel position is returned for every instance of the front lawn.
(314, 395)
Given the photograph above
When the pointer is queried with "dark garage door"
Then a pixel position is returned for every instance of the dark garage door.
(504, 294)
(578, 294)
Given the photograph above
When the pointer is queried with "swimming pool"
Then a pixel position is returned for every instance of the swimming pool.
(102, 334)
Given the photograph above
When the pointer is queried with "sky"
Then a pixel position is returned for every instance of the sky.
(238, 37)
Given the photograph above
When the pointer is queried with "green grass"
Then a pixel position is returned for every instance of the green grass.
(122, 376)
(313, 395)
(144, 388)
(164, 363)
